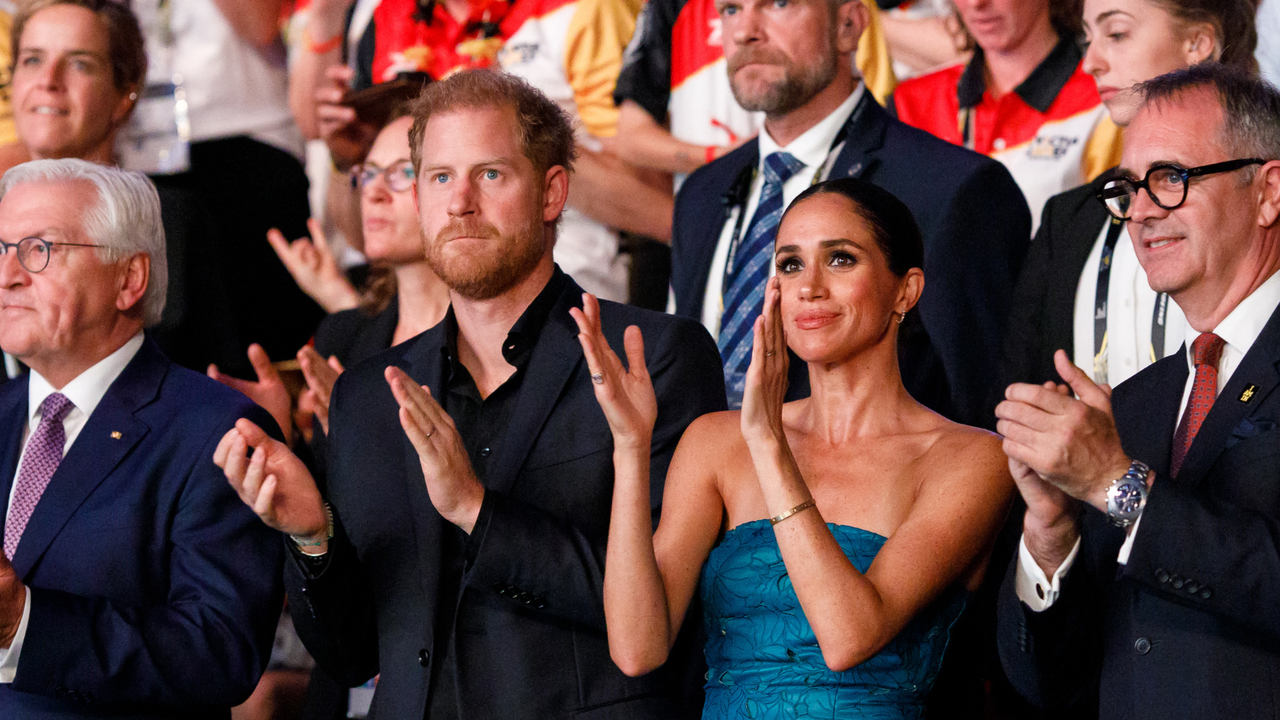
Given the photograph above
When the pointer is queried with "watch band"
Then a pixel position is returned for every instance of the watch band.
(325, 536)
(1127, 496)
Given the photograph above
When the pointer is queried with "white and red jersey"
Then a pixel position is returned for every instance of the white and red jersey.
(1052, 132)
(572, 50)
(675, 69)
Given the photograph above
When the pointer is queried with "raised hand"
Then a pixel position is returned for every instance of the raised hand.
(625, 394)
(1072, 444)
(13, 600)
(321, 375)
(314, 268)
(452, 484)
(269, 390)
(766, 385)
(273, 481)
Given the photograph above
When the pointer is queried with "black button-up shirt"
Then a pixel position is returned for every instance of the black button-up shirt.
(483, 425)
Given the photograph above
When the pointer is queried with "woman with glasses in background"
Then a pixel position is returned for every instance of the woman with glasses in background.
(1081, 287)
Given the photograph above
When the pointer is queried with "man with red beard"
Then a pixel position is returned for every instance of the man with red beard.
(458, 548)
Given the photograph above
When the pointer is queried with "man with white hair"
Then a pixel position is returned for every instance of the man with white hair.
(133, 582)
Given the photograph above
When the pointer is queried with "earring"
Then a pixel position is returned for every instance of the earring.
(901, 316)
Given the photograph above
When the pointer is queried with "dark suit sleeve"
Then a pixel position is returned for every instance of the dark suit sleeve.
(1024, 339)
(331, 602)
(688, 381)
(206, 646)
(1218, 557)
(971, 266)
(1053, 658)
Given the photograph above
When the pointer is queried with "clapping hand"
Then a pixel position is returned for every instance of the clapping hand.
(314, 268)
(1062, 451)
(273, 481)
(1073, 444)
(269, 390)
(321, 375)
(13, 600)
(625, 394)
(766, 382)
(452, 484)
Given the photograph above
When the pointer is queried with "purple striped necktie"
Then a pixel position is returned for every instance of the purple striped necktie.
(44, 454)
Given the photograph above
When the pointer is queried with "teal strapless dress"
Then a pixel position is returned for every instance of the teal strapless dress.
(764, 661)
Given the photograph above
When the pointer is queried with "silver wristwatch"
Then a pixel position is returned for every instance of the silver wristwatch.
(1128, 495)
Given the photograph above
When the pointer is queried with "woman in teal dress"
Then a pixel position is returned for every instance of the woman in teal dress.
(833, 540)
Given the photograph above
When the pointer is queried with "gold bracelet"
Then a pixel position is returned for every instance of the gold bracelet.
(797, 509)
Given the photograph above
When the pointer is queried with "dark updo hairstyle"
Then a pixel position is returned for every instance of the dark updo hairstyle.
(890, 221)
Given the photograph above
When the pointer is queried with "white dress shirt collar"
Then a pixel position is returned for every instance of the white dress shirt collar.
(1241, 328)
(88, 388)
(814, 145)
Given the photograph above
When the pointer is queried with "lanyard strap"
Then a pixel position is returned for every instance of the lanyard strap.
(744, 184)
(1159, 315)
(1100, 302)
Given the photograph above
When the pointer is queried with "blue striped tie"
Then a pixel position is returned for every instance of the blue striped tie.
(747, 274)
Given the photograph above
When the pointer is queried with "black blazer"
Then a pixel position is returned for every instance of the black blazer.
(1190, 626)
(1044, 302)
(976, 228)
(155, 591)
(529, 626)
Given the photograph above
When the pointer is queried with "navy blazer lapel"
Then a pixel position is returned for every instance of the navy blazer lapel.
(1257, 368)
(555, 357)
(701, 229)
(110, 433)
(864, 134)
(13, 413)
(1146, 411)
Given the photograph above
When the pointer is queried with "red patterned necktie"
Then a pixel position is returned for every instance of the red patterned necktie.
(1207, 350)
(44, 454)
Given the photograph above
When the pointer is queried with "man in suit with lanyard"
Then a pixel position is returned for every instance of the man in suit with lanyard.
(793, 61)
(1162, 596)
(460, 555)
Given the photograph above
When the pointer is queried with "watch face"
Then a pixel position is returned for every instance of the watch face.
(1128, 498)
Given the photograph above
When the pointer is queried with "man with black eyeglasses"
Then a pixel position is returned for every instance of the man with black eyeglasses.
(1148, 577)
(133, 583)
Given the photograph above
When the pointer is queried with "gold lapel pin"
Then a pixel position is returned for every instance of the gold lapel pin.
(1248, 393)
(115, 435)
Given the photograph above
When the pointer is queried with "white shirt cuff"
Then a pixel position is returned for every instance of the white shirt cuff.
(1127, 547)
(1033, 588)
(9, 657)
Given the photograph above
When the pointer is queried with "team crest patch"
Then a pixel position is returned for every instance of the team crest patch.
(517, 54)
(1051, 147)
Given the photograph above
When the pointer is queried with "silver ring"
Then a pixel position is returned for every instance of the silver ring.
(597, 378)
(768, 354)
(433, 432)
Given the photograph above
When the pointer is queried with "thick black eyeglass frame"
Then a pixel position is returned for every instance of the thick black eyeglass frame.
(17, 247)
(1109, 190)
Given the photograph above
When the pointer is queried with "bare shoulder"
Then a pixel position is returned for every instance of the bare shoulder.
(962, 453)
(714, 433)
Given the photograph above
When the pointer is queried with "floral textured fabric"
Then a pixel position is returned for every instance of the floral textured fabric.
(764, 661)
